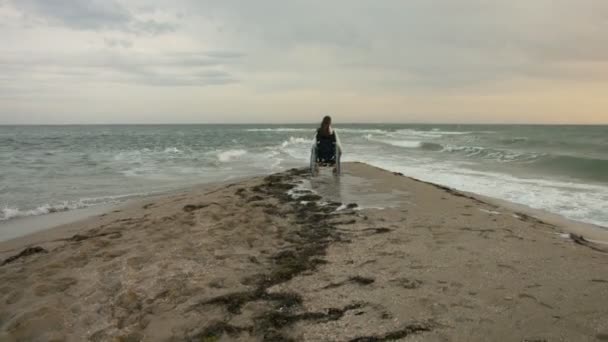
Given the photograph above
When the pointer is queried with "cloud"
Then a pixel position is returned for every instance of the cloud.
(291, 50)
(405, 44)
(79, 14)
(429, 43)
(225, 54)
(153, 27)
(172, 69)
(91, 15)
(114, 42)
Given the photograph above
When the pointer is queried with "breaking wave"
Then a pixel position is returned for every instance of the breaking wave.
(572, 166)
(229, 155)
(8, 213)
(295, 141)
(282, 129)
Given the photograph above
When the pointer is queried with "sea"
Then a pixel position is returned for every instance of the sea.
(47, 169)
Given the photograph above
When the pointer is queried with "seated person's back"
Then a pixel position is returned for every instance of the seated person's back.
(326, 149)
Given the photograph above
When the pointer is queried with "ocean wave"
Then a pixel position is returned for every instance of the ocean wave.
(8, 213)
(296, 141)
(362, 130)
(582, 167)
(312, 130)
(282, 129)
(514, 140)
(230, 155)
(573, 199)
(138, 155)
(429, 146)
(468, 151)
(402, 143)
(435, 133)
(172, 150)
(499, 155)
(428, 134)
(295, 148)
(128, 155)
(141, 170)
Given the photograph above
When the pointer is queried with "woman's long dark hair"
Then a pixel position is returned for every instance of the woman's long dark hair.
(325, 124)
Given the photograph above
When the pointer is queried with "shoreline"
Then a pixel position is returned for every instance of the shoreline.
(22, 227)
(52, 225)
(56, 225)
(592, 232)
(287, 257)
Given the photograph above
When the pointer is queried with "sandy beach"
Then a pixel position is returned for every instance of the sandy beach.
(371, 256)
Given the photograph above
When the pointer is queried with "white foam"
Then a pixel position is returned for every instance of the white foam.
(11, 213)
(144, 170)
(406, 143)
(403, 143)
(172, 150)
(296, 148)
(274, 157)
(496, 155)
(398, 143)
(130, 156)
(229, 155)
(577, 201)
(8, 213)
(362, 131)
(296, 141)
(454, 133)
(428, 134)
(469, 150)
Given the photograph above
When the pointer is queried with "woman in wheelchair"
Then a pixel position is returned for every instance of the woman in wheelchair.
(326, 149)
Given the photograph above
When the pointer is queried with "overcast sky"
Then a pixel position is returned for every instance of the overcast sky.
(181, 61)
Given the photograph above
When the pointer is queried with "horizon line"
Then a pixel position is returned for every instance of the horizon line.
(304, 123)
